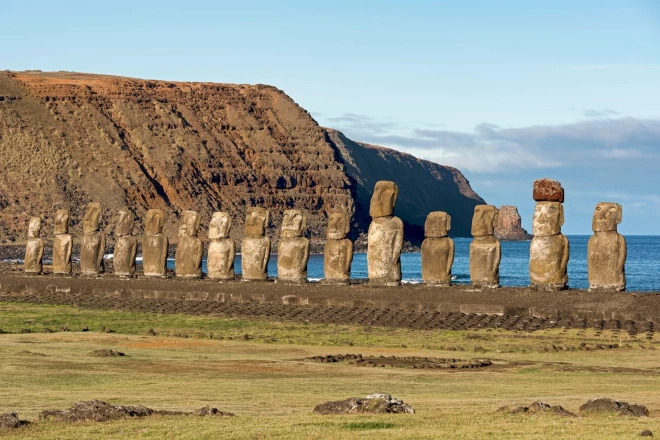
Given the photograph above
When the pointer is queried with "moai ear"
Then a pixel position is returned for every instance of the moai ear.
(303, 223)
(619, 217)
(266, 221)
(561, 215)
(396, 194)
(497, 213)
(448, 222)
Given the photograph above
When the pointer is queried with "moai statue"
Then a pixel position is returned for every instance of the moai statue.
(385, 239)
(607, 250)
(293, 248)
(154, 245)
(222, 249)
(338, 252)
(189, 251)
(485, 249)
(34, 251)
(549, 249)
(62, 243)
(255, 249)
(123, 258)
(437, 250)
(93, 242)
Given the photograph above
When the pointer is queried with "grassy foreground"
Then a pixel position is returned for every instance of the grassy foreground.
(272, 390)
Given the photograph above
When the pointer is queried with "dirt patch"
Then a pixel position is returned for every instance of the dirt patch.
(107, 353)
(98, 411)
(376, 403)
(614, 406)
(414, 362)
(30, 353)
(169, 343)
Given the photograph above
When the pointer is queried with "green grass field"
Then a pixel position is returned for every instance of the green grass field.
(265, 381)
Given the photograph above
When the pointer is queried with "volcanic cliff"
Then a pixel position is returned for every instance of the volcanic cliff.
(509, 225)
(69, 138)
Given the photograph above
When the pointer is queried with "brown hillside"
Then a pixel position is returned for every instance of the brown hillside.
(68, 138)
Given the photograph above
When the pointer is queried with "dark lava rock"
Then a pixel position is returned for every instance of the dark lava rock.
(97, 411)
(11, 421)
(646, 433)
(540, 407)
(611, 405)
(376, 403)
(107, 353)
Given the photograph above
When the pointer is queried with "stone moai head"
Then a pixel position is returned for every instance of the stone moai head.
(34, 227)
(124, 223)
(607, 216)
(483, 220)
(153, 225)
(220, 225)
(339, 225)
(92, 217)
(293, 223)
(548, 219)
(384, 198)
(256, 221)
(61, 225)
(189, 224)
(437, 224)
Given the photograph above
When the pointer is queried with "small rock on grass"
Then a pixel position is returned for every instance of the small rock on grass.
(11, 421)
(538, 408)
(375, 403)
(646, 433)
(107, 353)
(615, 406)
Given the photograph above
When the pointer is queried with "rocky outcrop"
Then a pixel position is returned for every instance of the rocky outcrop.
(376, 403)
(67, 139)
(509, 225)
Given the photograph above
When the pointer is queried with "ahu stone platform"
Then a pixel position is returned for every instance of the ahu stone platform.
(459, 299)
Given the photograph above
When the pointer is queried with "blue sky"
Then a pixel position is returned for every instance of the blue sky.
(507, 91)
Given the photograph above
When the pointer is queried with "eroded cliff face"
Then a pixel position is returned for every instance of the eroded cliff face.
(509, 226)
(67, 139)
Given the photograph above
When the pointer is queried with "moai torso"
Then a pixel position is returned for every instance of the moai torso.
(607, 250)
(293, 248)
(154, 245)
(385, 241)
(93, 242)
(338, 251)
(385, 238)
(222, 249)
(549, 249)
(62, 243)
(123, 258)
(190, 250)
(485, 250)
(34, 250)
(485, 256)
(437, 249)
(255, 248)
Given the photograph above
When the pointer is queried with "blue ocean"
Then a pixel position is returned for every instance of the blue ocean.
(642, 266)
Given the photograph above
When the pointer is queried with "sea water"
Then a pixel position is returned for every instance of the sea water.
(642, 265)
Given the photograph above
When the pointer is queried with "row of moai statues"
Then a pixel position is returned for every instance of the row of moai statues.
(549, 249)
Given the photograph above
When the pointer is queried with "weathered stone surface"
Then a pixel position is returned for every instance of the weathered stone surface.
(385, 241)
(437, 249)
(540, 407)
(607, 250)
(485, 257)
(292, 249)
(376, 403)
(190, 249)
(256, 222)
(154, 245)
(222, 249)
(11, 421)
(123, 259)
(383, 199)
(337, 259)
(93, 242)
(509, 225)
(255, 248)
(339, 225)
(549, 249)
(62, 244)
(485, 249)
(34, 250)
(548, 262)
(611, 405)
(547, 190)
